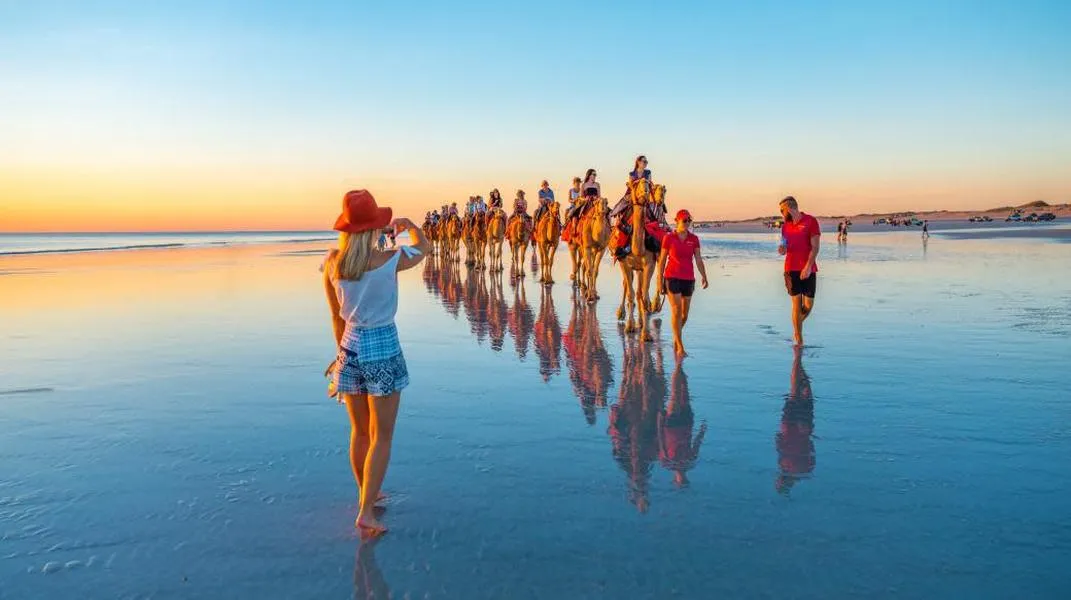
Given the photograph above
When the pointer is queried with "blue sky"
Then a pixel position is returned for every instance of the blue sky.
(857, 104)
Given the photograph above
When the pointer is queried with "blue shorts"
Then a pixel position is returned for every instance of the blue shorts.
(370, 361)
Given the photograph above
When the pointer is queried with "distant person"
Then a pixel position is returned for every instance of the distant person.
(800, 235)
(680, 248)
(369, 371)
(925, 229)
(382, 242)
(840, 231)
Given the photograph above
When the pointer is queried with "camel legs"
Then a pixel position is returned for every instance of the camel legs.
(576, 256)
(547, 250)
(642, 296)
(592, 261)
(628, 299)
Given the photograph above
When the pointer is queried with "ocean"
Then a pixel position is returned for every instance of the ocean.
(165, 430)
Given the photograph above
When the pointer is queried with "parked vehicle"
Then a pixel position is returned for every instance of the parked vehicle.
(1015, 217)
(1046, 217)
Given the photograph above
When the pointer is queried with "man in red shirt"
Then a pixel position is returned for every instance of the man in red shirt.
(676, 275)
(799, 244)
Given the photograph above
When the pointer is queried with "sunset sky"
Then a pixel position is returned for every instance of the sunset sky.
(258, 115)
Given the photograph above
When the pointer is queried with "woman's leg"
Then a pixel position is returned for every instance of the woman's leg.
(357, 407)
(384, 412)
(676, 315)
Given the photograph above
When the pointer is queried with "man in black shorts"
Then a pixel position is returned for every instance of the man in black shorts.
(800, 235)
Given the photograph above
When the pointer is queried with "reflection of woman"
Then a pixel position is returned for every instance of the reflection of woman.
(368, 581)
(680, 249)
(369, 372)
(678, 451)
(795, 439)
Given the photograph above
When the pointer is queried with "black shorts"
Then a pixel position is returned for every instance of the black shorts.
(684, 287)
(797, 286)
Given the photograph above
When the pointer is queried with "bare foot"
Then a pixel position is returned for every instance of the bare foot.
(369, 525)
(799, 340)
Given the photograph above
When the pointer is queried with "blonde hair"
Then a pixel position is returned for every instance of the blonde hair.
(354, 253)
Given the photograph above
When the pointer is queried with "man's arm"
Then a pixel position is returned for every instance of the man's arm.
(809, 267)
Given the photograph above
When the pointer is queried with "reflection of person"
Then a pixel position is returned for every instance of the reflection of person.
(680, 249)
(368, 581)
(799, 244)
(369, 372)
(795, 441)
(678, 451)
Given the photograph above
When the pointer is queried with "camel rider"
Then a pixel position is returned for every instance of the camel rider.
(574, 198)
(481, 206)
(434, 217)
(520, 209)
(494, 201)
(652, 219)
(639, 169)
(546, 196)
(453, 209)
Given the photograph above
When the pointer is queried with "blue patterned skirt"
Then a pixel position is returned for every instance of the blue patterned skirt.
(370, 361)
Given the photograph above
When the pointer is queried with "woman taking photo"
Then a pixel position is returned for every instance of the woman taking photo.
(369, 372)
(676, 275)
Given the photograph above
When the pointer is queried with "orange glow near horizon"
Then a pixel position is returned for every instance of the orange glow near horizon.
(205, 200)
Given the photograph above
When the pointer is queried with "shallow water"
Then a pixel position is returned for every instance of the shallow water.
(165, 431)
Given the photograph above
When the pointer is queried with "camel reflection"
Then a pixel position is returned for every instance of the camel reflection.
(521, 321)
(590, 366)
(678, 450)
(634, 417)
(548, 337)
(475, 301)
(795, 440)
(497, 315)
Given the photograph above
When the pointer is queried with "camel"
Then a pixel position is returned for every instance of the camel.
(548, 233)
(519, 236)
(496, 234)
(429, 232)
(593, 232)
(638, 267)
(475, 241)
(451, 237)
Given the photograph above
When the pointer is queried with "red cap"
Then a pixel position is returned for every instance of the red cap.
(361, 213)
(683, 215)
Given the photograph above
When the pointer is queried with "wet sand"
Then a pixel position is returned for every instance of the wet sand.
(166, 431)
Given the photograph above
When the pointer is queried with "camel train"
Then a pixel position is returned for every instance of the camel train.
(632, 242)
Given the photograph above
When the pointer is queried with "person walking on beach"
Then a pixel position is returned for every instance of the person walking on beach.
(925, 230)
(369, 372)
(680, 248)
(799, 245)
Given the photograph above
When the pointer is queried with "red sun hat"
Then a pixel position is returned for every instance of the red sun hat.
(683, 214)
(361, 213)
